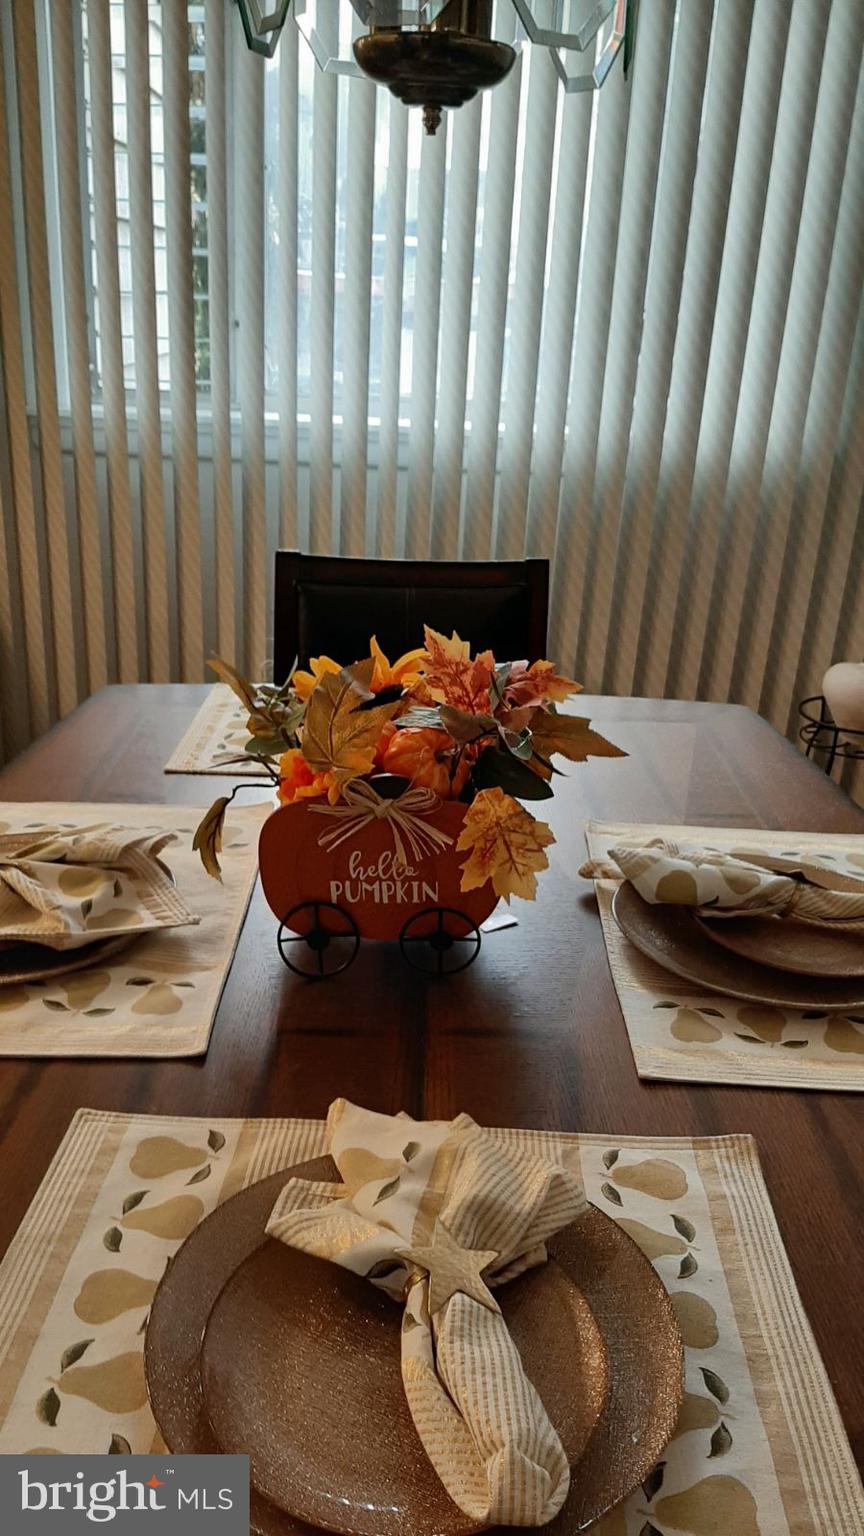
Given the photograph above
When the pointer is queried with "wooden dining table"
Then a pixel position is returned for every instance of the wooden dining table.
(530, 1035)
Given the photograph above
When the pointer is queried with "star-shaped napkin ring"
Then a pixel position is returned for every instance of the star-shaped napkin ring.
(452, 1268)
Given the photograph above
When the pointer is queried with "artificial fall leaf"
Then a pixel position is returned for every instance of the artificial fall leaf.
(540, 766)
(537, 684)
(339, 736)
(274, 713)
(515, 719)
(571, 735)
(244, 691)
(451, 677)
(466, 727)
(208, 837)
(505, 845)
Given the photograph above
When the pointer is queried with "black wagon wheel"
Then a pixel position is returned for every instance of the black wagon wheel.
(326, 943)
(440, 941)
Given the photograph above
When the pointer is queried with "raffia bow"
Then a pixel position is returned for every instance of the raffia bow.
(362, 805)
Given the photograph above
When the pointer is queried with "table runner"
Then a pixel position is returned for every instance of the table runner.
(760, 1449)
(678, 1031)
(158, 997)
(219, 726)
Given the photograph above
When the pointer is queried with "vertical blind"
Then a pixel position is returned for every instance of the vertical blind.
(244, 303)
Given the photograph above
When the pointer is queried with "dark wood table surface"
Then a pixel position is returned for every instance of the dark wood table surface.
(531, 1035)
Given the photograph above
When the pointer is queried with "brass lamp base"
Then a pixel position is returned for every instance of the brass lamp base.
(433, 69)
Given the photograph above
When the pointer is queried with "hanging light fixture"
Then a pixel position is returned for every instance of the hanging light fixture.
(440, 53)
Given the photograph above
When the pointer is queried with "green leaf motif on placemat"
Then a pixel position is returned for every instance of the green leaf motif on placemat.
(715, 1384)
(611, 1194)
(48, 1407)
(119, 1446)
(382, 1268)
(113, 1239)
(721, 1442)
(215, 1141)
(654, 1481)
(387, 1190)
(73, 1354)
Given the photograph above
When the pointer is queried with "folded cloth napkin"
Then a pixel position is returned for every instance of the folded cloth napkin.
(742, 882)
(436, 1212)
(66, 887)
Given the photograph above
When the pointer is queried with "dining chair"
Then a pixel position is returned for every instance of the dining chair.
(329, 604)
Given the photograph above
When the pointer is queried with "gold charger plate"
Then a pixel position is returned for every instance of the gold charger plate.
(674, 937)
(275, 1356)
(20, 963)
(338, 1345)
(786, 945)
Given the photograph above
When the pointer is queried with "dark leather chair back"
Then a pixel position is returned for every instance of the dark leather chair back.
(331, 605)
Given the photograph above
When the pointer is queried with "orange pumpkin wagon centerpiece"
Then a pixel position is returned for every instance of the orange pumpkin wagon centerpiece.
(400, 789)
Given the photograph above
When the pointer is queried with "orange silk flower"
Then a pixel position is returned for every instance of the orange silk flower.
(304, 682)
(297, 781)
(426, 758)
(401, 674)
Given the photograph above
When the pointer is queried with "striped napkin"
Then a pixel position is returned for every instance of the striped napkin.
(435, 1213)
(739, 882)
(65, 887)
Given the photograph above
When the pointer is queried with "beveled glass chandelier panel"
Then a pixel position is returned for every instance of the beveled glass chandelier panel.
(438, 54)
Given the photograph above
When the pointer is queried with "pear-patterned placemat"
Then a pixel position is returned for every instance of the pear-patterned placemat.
(158, 996)
(759, 1449)
(219, 727)
(678, 1031)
